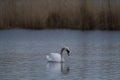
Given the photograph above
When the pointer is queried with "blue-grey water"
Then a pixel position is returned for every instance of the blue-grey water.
(95, 55)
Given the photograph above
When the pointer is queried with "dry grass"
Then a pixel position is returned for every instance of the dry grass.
(68, 14)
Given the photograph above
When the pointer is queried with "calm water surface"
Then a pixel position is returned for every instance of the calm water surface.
(95, 55)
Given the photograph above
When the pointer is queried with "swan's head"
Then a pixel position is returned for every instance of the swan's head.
(68, 51)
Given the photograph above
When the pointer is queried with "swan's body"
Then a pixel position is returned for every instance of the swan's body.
(54, 57)
(57, 57)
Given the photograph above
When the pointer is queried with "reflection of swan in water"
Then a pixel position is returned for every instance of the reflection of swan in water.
(58, 57)
(57, 68)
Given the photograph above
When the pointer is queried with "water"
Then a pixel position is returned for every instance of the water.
(95, 55)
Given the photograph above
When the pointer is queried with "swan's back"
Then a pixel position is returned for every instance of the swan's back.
(54, 57)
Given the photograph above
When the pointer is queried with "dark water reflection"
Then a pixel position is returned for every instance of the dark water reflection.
(95, 55)
(58, 67)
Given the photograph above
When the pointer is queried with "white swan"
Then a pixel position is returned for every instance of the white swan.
(58, 57)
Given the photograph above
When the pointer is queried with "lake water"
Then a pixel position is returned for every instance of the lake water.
(95, 55)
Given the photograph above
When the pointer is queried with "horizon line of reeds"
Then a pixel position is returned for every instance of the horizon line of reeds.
(106, 19)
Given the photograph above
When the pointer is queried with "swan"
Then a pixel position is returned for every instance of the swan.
(58, 57)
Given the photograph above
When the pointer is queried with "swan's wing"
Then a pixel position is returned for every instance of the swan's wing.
(54, 57)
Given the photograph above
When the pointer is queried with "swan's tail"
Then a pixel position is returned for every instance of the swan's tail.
(48, 58)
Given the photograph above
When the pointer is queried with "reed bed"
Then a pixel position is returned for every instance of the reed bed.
(60, 14)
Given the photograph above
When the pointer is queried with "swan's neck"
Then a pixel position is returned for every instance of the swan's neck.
(61, 53)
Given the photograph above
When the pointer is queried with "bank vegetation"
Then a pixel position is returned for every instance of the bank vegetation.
(60, 14)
